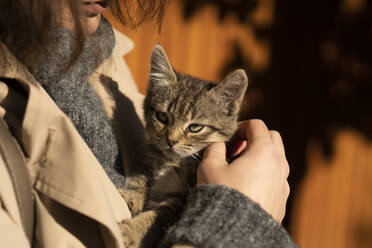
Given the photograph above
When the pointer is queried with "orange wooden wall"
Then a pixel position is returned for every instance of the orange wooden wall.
(334, 206)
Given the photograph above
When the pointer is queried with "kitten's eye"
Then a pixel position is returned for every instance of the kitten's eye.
(162, 117)
(195, 128)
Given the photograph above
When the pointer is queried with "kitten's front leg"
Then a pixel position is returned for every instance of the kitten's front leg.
(134, 230)
(135, 193)
(147, 228)
(135, 200)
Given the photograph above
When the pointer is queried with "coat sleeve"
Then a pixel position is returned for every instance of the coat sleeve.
(11, 230)
(217, 216)
(12, 235)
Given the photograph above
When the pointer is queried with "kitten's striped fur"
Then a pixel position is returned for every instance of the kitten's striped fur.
(183, 115)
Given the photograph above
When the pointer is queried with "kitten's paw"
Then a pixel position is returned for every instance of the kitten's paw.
(127, 198)
(134, 200)
(131, 237)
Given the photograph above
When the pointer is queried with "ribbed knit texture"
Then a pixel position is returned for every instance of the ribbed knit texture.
(73, 94)
(219, 217)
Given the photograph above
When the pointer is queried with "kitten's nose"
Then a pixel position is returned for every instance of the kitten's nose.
(171, 143)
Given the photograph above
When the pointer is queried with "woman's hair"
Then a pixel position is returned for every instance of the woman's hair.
(26, 26)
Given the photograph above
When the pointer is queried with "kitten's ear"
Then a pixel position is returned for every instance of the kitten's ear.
(230, 92)
(161, 70)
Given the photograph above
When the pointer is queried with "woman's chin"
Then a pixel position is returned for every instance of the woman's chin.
(91, 24)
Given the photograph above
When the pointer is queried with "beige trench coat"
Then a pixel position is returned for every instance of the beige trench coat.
(76, 203)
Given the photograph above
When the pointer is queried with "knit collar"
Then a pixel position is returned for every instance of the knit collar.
(96, 48)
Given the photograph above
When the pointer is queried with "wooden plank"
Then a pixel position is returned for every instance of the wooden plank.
(333, 208)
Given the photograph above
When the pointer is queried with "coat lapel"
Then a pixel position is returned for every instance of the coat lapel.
(61, 165)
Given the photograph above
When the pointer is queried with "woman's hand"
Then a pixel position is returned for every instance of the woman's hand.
(260, 172)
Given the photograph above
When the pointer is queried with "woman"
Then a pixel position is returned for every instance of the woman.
(61, 75)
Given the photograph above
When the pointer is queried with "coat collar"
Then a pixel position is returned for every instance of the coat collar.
(123, 44)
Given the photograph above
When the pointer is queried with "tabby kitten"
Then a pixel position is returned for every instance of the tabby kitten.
(183, 115)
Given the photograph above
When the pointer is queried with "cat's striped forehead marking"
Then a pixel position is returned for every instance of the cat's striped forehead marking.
(187, 95)
(181, 107)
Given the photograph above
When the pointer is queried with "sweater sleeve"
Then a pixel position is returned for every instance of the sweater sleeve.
(217, 216)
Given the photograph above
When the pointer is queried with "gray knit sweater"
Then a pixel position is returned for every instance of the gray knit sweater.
(219, 217)
(215, 216)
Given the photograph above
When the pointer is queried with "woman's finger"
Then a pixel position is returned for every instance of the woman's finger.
(253, 130)
(236, 148)
(215, 155)
(277, 141)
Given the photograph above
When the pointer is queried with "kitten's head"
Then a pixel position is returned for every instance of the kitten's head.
(184, 114)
